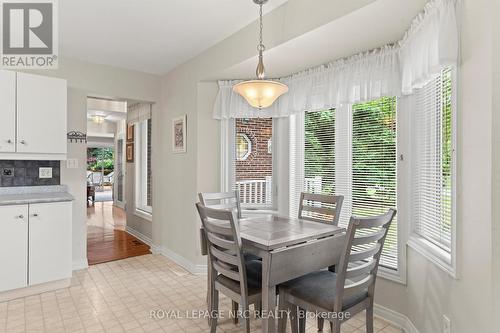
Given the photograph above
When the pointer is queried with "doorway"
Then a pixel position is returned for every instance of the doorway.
(107, 236)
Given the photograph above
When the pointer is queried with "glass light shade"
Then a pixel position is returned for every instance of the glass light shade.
(260, 93)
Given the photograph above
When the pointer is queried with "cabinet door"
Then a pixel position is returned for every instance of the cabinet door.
(50, 242)
(7, 112)
(13, 247)
(41, 114)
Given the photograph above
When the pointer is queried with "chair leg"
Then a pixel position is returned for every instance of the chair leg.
(235, 308)
(302, 320)
(369, 319)
(321, 321)
(335, 326)
(258, 308)
(282, 317)
(294, 318)
(214, 309)
(245, 318)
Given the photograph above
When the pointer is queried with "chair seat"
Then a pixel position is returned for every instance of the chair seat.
(254, 279)
(318, 288)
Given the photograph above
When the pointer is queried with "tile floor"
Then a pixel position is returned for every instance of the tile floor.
(119, 296)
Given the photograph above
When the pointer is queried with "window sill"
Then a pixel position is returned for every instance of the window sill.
(143, 215)
(434, 254)
(391, 275)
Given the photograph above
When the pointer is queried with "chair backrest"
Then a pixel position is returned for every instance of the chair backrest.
(320, 207)
(224, 244)
(360, 259)
(222, 200)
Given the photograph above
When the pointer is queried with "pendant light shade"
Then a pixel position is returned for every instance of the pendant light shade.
(260, 93)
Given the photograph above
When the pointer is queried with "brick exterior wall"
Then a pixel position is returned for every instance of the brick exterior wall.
(259, 163)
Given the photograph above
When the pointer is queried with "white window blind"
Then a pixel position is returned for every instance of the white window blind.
(433, 161)
(252, 162)
(374, 163)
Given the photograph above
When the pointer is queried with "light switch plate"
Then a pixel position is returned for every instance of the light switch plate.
(44, 173)
(72, 163)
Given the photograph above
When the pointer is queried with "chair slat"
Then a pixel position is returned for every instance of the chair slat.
(374, 222)
(368, 238)
(319, 210)
(219, 228)
(360, 270)
(233, 275)
(223, 243)
(365, 253)
(224, 256)
(217, 196)
(358, 287)
(331, 199)
(226, 206)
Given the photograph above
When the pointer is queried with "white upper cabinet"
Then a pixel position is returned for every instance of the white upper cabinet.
(7, 111)
(41, 115)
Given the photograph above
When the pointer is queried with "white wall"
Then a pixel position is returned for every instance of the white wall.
(85, 79)
(430, 293)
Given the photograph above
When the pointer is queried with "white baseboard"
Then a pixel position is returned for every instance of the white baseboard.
(395, 318)
(80, 264)
(34, 290)
(143, 238)
(183, 262)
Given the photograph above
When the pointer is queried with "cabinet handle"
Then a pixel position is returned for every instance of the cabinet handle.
(9, 141)
(20, 216)
(22, 142)
(35, 215)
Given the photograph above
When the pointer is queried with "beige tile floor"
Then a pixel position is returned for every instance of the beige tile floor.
(119, 297)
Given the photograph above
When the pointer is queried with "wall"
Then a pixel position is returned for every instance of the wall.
(85, 79)
(429, 292)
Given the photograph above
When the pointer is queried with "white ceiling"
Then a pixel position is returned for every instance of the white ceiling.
(372, 26)
(152, 36)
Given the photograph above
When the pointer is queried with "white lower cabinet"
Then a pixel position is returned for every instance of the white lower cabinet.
(35, 244)
(49, 242)
(13, 247)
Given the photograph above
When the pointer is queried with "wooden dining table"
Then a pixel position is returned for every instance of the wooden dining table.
(289, 248)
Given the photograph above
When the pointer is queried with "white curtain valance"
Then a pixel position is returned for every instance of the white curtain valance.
(138, 112)
(429, 45)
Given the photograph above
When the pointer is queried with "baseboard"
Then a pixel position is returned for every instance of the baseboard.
(80, 264)
(34, 290)
(395, 318)
(183, 262)
(143, 238)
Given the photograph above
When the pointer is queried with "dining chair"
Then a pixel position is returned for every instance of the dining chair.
(222, 200)
(320, 207)
(231, 275)
(337, 297)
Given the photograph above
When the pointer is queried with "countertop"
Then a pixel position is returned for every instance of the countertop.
(34, 194)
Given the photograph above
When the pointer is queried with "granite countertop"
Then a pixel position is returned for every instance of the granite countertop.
(34, 194)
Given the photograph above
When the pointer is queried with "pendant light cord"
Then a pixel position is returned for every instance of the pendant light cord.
(260, 67)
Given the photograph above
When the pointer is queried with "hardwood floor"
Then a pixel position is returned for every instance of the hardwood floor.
(106, 236)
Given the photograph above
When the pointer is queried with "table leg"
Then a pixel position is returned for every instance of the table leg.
(268, 297)
(209, 284)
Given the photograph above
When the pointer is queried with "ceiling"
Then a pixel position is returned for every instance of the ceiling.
(152, 36)
(113, 111)
(379, 23)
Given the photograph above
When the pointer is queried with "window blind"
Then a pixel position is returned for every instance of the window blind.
(253, 162)
(374, 165)
(432, 161)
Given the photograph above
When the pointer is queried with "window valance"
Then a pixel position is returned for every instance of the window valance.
(138, 112)
(429, 45)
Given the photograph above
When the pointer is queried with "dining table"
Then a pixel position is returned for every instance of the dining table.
(289, 248)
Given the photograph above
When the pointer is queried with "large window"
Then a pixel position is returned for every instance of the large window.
(433, 160)
(253, 162)
(143, 173)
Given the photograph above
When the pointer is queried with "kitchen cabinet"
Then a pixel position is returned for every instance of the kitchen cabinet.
(7, 111)
(33, 114)
(13, 247)
(37, 242)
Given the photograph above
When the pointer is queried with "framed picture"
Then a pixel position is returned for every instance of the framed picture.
(130, 152)
(130, 132)
(179, 134)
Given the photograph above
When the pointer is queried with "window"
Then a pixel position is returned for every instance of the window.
(243, 146)
(253, 174)
(374, 167)
(143, 183)
(433, 165)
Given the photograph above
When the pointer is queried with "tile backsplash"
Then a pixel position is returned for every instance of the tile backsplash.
(26, 173)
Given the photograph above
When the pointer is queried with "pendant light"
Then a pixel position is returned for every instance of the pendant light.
(260, 93)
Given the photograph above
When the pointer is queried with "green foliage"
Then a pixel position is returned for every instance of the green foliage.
(99, 158)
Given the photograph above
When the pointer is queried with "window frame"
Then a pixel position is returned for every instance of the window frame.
(141, 171)
(432, 252)
(228, 158)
